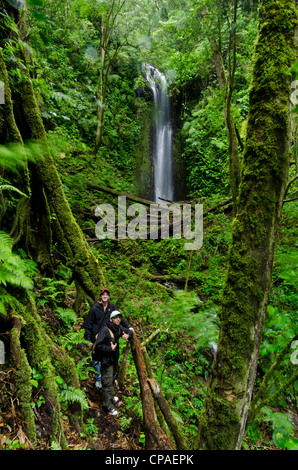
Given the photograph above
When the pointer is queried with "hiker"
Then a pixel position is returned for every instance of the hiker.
(106, 350)
(98, 317)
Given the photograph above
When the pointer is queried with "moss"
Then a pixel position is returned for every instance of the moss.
(143, 158)
(38, 345)
(83, 262)
(24, 386)
(220, 416)
(264, 179)
(13, 134)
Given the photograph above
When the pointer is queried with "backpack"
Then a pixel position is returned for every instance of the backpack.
(97, 355)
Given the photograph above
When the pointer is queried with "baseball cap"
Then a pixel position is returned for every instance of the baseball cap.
(104, 290)
(115, 313)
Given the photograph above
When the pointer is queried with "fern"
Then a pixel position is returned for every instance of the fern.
(73, 395)
(12, 267)
(186, 311)
(14, 155)
(9, 187)
(67, 315)
(71, 339)
(7, 299)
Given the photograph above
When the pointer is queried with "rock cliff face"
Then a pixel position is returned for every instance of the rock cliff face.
(144, 152)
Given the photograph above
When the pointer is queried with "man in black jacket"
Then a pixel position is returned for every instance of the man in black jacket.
(106, 350)
(98, 317)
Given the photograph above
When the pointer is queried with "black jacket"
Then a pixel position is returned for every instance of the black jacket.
(103, 351)
(98, 318)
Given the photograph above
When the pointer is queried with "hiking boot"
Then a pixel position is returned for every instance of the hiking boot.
(98, 384)
(113, 412)
(115, 399)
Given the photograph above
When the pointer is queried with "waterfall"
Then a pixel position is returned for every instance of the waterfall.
(162, 142)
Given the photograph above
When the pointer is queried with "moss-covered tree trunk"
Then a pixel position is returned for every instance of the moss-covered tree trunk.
(226, 84)
(49, 214)
(262, 189)
(43, 218)
(84, 265)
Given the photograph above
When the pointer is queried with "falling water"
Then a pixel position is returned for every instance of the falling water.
(162, 148)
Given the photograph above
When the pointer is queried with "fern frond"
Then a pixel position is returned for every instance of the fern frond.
(12, 267)
(15, 156)
(9, 187)
(74, 395)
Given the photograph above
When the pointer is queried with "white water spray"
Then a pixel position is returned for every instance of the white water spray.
(162, 148)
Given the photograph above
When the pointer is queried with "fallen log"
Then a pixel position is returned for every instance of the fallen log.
(130, 197)
(169, 417)
(154, 435)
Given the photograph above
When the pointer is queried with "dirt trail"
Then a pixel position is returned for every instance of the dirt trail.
(113, 432)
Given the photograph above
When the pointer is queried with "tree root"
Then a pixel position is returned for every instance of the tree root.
(32, 348)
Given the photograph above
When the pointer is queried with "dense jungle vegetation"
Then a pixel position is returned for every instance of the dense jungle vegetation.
(217, 327)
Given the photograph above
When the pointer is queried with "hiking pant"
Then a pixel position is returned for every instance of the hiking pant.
(107, 375)
(96, 365)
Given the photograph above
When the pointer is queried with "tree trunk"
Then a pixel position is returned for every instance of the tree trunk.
(86, 270)
(155, 436)
(10, 133)
(261, 193)
(30, 346)
(49, 201)
(226, 85)
(101, 89)
(166, 411)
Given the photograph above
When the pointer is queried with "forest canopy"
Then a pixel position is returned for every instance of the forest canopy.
(212, 363)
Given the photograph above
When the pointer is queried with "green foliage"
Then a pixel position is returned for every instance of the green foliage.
(69, 394)
(91, 427)
(279, 329)
(14, 270)
(134, 406)
(67, 315)
(55, 446)
(124, 422)
(283, 429)
(53, 290)
(14, 156)
(13, 444)
(206, 148)
(185, 312)
(72, 338)
(65, 68)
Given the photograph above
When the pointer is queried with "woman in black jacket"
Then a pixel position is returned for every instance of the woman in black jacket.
(106, 350)
(98, 317)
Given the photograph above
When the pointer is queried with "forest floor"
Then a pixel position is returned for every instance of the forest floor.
(107, 433)
(103, 431)
(110, 433)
